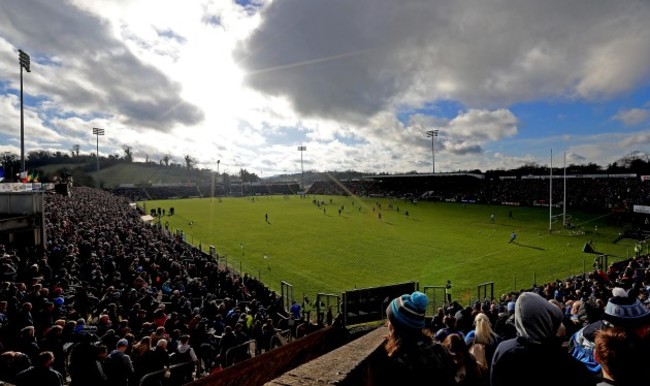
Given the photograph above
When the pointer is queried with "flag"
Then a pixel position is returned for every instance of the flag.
(2, 173)
(22, 176)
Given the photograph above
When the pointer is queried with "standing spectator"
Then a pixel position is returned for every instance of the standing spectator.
(184, 354)
(306, 309)
(27, 343)
(40, 373)
(118, 366)
(320, 310)
(44, 319)
(52, 342)
(160, 360)
(4, 322)
(84, 366)
(412, 355)
(268, 332)
(12, 363)
(141, 356)
(536, 356)
(295, 310)
(24, 316)
(228, 341)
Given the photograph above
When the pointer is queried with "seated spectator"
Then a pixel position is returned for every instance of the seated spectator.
(620, 311)
(482, 341)
(412, 354)
(450, 328)
(468, 371)
(622, 356)
(536, 356)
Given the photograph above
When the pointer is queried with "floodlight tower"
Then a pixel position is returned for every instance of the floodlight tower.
(301, 149)
(433, 134)
(98, 132)
(24, 61)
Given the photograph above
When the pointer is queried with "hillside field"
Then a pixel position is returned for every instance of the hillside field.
(321, 251)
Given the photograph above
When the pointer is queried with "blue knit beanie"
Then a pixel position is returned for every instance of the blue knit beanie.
(407, 311)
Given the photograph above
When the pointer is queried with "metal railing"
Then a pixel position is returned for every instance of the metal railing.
(162, 372)
(246, 350)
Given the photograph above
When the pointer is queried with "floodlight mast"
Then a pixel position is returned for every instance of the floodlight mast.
(433, 134)
(301, 149)
(98, 132)
(217, 182)
(25, 62)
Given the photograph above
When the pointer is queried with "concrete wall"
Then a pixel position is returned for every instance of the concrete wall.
(349, 365)
(268, 366)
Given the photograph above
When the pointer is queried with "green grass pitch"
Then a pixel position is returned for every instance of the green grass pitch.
(317, 250)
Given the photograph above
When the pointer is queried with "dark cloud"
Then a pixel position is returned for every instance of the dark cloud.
(348, 60)
(94, 71)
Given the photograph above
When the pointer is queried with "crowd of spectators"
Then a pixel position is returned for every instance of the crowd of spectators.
(584, 330)
(111, 299)
(591, 330)
(595, 194)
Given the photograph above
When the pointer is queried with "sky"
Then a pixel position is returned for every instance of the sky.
(241, 84)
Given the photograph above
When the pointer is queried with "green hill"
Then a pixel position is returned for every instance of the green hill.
(127, 173)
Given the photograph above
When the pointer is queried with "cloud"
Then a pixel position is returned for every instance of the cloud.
(575, 158)
(94, 71)
(632, 117)
(469, 131)
(351, 60)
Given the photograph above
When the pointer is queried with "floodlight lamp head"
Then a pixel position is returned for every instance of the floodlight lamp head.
(24, 60)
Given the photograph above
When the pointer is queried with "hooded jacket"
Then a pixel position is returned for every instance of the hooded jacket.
(536, 356)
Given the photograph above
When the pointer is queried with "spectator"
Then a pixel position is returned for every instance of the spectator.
(536, 355)
(412, 354)
(306, 309)
(468, 372)
(40, 373)
(27, 343)
(84, 364)
(268, 332)
(184, 354)
(623, 357)
(52, 342)
(295, 310)
(160, 360)
(450, 328)
(482, 341)
(12, 363)
(118, 366)
(142, 358)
